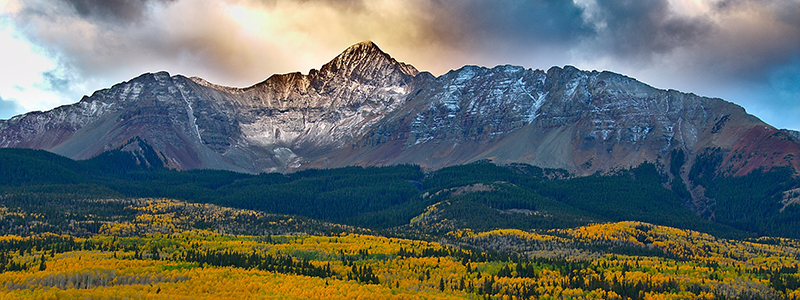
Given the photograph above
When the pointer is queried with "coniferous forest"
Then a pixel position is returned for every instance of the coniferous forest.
(114, 227)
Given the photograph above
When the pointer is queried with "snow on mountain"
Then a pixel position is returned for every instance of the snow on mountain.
(366, 108)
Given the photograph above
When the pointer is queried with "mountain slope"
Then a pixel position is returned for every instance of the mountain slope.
(480, 196)
(366, 108)
(195, 124)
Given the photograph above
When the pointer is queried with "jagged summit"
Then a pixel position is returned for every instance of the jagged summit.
(359, 53)
(365, 61)
(363, 47)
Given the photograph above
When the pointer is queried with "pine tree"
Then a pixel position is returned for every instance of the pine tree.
(42, 264)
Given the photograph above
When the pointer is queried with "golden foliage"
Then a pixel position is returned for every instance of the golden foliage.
(155, 266)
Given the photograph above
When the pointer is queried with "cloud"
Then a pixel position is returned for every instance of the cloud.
(53, 81)
(703, 46)
(112, 10)
(489, 24)
(639, 30)
(241, 42)
(749, 40)
(231, 42)
(729, 40)
(537, 33)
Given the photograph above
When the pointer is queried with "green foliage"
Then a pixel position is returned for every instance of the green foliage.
(635, 194)
(677, 160)
(336, 194)
(508, 206)
(749, 203)
(753, 202)
(704, 168)
(481, 171)
(21, 167)
(521, 196)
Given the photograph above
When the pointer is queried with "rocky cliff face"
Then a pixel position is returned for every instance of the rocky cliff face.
(366, 108)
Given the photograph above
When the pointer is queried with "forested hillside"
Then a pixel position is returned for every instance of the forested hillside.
(118, 226)
(480, 196)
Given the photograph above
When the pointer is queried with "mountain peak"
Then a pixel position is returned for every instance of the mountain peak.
(365, 60)
(360, 51)
(366, 46)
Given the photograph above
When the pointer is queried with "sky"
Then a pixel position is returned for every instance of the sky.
(52, 52)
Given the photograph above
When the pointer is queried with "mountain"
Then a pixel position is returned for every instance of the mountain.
(366, 108)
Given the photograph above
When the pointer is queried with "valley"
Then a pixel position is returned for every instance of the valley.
(369, 179)
(155, 256)
(110, 228)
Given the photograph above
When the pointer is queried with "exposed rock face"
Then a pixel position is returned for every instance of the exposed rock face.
(793, 133)
(366, 108)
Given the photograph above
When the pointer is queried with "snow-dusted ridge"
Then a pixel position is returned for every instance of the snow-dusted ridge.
(366, 108)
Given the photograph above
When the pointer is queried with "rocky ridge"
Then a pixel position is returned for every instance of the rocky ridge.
(366, 108)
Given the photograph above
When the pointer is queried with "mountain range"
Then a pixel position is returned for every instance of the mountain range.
(365, 108)
(369, 177)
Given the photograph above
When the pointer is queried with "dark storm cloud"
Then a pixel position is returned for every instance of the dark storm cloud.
(641, 29)
(451, 33)
(512, 22)
(112, 10)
